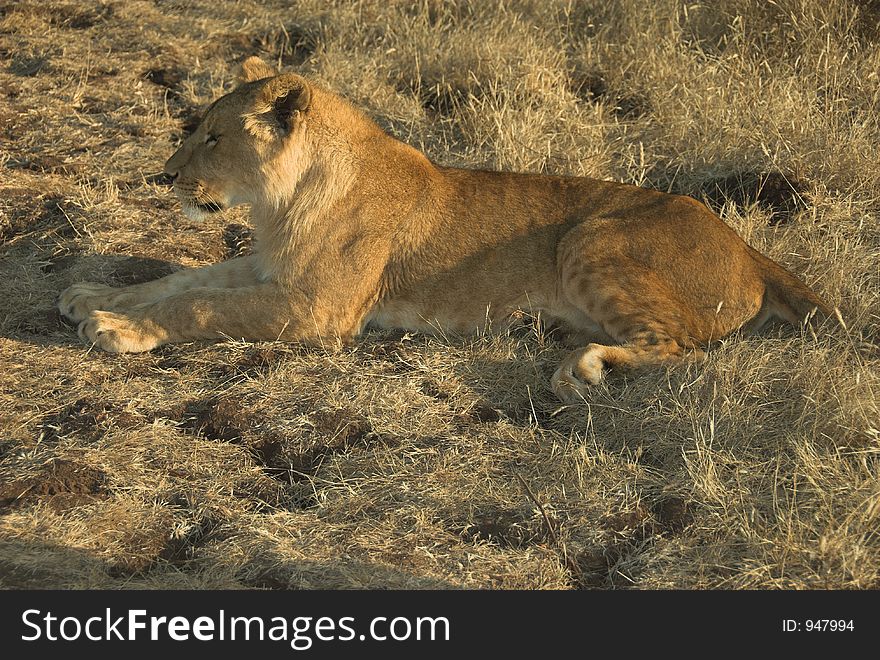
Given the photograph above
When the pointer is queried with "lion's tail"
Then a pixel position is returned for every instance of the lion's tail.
(788, 297)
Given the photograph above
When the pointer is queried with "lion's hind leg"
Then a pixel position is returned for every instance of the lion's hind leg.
(633, 306)
(586, 366)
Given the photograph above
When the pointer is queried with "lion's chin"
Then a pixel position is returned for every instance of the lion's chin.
(199, 212)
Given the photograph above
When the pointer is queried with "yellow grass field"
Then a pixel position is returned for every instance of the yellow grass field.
(407, 461)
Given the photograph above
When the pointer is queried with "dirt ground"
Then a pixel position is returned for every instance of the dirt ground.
(408, 461)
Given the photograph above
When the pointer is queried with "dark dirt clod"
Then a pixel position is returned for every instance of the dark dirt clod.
(481, 413)
(168, 77)
(215, 419)
(62, 483)
(590, 86)
(485, 413)
(8, 89)
(629, 533)
(780, 193)
(94, 106)
(527, 412)
(508, 528)
(333, 432)
(257, 359)
(85, 418)
(285, 458)
(134, 130)
(672, 513)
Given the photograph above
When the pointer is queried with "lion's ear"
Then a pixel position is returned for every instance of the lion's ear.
(296, 99)
(283, 99)
(279, 104)
(253, 68)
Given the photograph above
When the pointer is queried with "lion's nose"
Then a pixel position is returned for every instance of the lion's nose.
(173, 164)
(162, 179)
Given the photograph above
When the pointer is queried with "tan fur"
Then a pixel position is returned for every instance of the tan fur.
(354, 227)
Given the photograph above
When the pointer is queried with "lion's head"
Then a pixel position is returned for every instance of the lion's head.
(250, 146)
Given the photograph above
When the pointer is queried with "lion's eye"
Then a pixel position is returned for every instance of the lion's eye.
(211, 140)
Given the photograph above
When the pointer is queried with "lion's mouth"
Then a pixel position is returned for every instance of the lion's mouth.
(208, 207)
(196, 202)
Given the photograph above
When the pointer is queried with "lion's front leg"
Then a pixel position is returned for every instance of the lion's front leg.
(119, 333)
(260, 312)
(82, 298)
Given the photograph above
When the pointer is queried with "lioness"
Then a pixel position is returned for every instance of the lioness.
(354, 227)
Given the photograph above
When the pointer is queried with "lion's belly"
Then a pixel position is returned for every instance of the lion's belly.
(473, 316)
(464, 318)
(400, 314)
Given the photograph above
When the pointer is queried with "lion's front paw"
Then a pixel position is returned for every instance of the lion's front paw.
(117, 333)
(78, 300)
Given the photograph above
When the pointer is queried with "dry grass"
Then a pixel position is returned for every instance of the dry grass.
(414, 462)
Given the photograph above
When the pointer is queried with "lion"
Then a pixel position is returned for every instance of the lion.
(355, 228)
